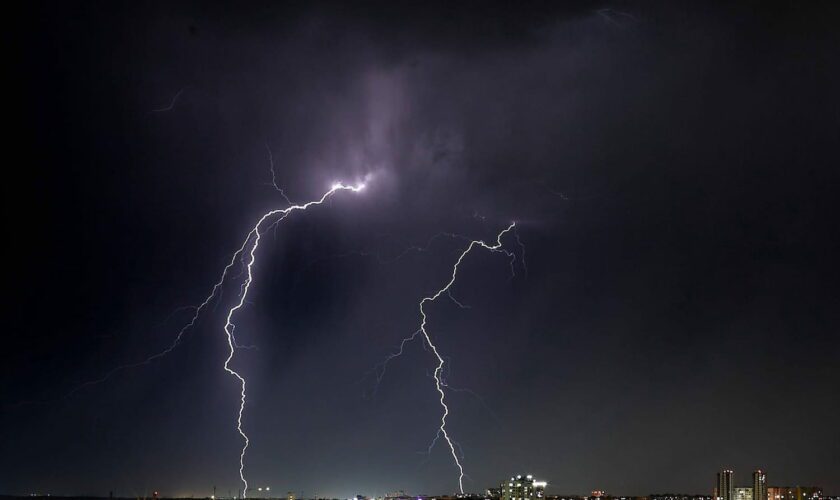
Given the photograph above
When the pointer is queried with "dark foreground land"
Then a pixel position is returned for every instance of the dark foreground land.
(87, 497)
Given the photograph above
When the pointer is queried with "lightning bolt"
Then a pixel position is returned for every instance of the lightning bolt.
(383, 366)
(254, 236)
(171, 104)
(246, 256)
(274, 175)
(440, 384)
(197, 310)
(380, 368)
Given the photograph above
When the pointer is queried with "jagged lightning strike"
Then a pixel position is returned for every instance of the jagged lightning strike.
(229, 328)
(197, 310)
(440, 384)
(253, 237)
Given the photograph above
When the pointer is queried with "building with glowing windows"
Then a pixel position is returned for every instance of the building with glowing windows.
(794, 493)
(522, 487)
(725, 489)
(743, 494)
(759, 485)
(673, 496)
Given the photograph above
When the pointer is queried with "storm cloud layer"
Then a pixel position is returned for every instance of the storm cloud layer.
(672, 170)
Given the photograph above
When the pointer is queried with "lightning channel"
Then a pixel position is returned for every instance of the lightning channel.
(437, 375)
(253, 237)
(171, 104)
(215, 292)
(274, 175)
(245, 256)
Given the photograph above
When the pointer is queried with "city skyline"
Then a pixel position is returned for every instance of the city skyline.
(529, 487)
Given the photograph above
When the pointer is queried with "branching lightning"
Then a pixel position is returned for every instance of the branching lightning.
(380, 369)
(438, 375)
(244, 258)
(254, 235)
(171, 104)
(197, 310)
(274, 175)
(245, 255)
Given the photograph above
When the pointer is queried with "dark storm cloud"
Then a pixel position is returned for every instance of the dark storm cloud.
(672, 168)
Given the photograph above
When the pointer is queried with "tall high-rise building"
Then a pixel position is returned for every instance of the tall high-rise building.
(725, 488)
(759, 485)
(522, 488)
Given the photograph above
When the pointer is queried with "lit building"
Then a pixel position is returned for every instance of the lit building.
(759, 485)
(794, 493)
(725, 489)
(522, 488)
(678, 496)
(743, 494)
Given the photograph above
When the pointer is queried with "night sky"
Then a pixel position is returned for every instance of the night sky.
(672, 168)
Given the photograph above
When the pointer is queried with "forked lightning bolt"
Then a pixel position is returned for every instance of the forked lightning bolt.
(252, 238)
(246, 255)
(197, 310)
(439, 382)
(254, 234)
